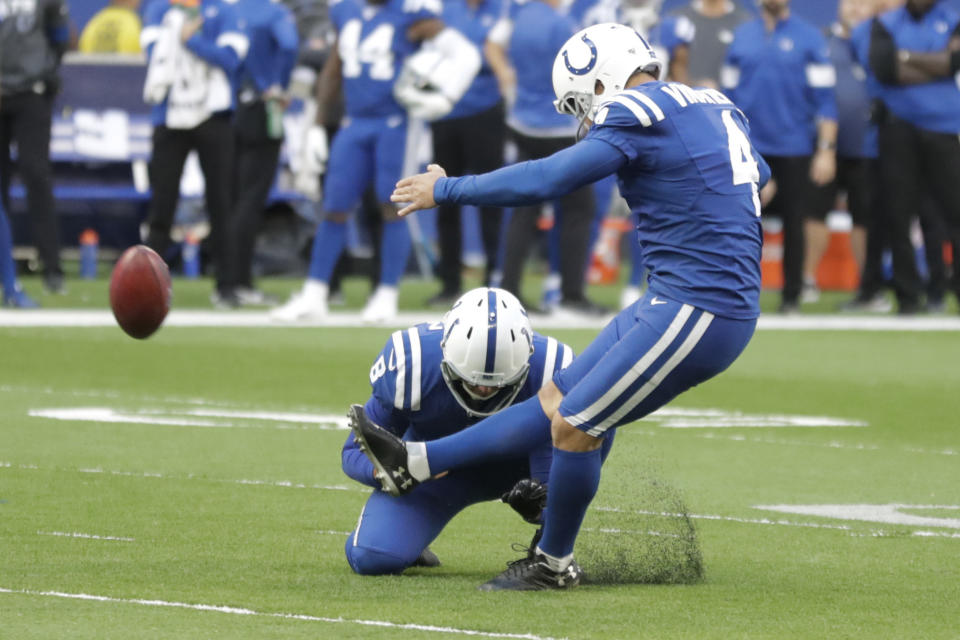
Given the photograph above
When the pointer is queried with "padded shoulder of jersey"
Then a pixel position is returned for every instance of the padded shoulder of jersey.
(408, 366)
(631, 107)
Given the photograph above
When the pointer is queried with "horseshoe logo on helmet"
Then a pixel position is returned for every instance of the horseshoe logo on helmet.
(590, 65)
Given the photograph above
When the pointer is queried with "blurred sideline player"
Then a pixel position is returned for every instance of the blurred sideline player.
(263, 81)
(374, 37)
(779, 73)
(435, 379)
(687, 168)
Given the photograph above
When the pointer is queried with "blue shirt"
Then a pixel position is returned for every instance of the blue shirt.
(475, 24)
(539, 31)
(687, 169)
(783, 81)
(934, 106)
(273, 38)
(373, 44)
(586, 13)
(856, 135)
(411, 399)
(220, 42)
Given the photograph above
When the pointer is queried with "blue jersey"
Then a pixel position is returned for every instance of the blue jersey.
(934, 106)
(586, 13)
(475, 22)
(411, 399)
(856, 134)
(686, 167)
(783, 81)
(691, 178)
(373, 44)
(274, 43)
(672, 32)
(539, 31)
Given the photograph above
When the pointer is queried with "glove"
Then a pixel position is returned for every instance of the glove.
(311, 162)
(528, 498)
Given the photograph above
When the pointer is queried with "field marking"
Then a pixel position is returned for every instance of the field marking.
(285, 484)
(670, 418)
(873, 533)
(882, 513)
(352, 320)
(680, 418)
(193, 418)
(833, 444)
(241, 611)
(88, 536)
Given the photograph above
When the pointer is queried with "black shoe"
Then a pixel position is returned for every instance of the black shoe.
(224, 299)
(250, 297)
(385, 450)
(533, 574)
(444, 299)
(53, 283)
(791, 308)
(427, 558)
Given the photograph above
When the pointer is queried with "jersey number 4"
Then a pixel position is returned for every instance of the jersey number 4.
(375, 50)
(744, 165)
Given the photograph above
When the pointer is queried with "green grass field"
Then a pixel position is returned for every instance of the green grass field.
(145, 492)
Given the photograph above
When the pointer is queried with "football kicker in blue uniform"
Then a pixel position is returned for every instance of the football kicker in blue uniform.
(432, 380)
(686, 166)
(374, 40)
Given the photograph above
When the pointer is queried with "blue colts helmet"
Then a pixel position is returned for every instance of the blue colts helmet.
(487, 342)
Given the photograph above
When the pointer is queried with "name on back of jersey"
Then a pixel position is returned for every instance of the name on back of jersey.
(646, 110)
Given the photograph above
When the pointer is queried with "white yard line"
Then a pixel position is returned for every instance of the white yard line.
(88, 536)
(833, 444)
(285, 484)
(875, 533)
(261, 319)
(241, 611)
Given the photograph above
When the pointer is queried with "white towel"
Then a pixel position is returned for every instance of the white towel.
(180, 77)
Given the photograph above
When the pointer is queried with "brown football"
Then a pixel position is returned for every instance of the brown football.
(140, 291)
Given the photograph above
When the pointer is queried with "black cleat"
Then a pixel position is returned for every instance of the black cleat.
(385, 450)
(533, 574)
(427, 558)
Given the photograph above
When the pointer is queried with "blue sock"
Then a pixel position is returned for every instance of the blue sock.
(328, 244)
(8, 270)
(394, 251)
(521, 427)
(574, 478)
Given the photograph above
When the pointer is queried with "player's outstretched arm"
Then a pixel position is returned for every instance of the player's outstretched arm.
(519, 184)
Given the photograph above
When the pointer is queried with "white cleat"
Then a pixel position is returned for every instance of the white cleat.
(382, 305)
(629, 295)
(310, 303)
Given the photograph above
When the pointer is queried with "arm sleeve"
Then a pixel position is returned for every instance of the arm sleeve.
(822, 78)
(285, 34)
(535, 180)
(882, 55)
(152, 29)
(230, 47)
(764, 168)
(353, 461)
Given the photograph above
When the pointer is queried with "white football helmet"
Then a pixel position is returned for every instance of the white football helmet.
(607, 52)
(487, 342)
